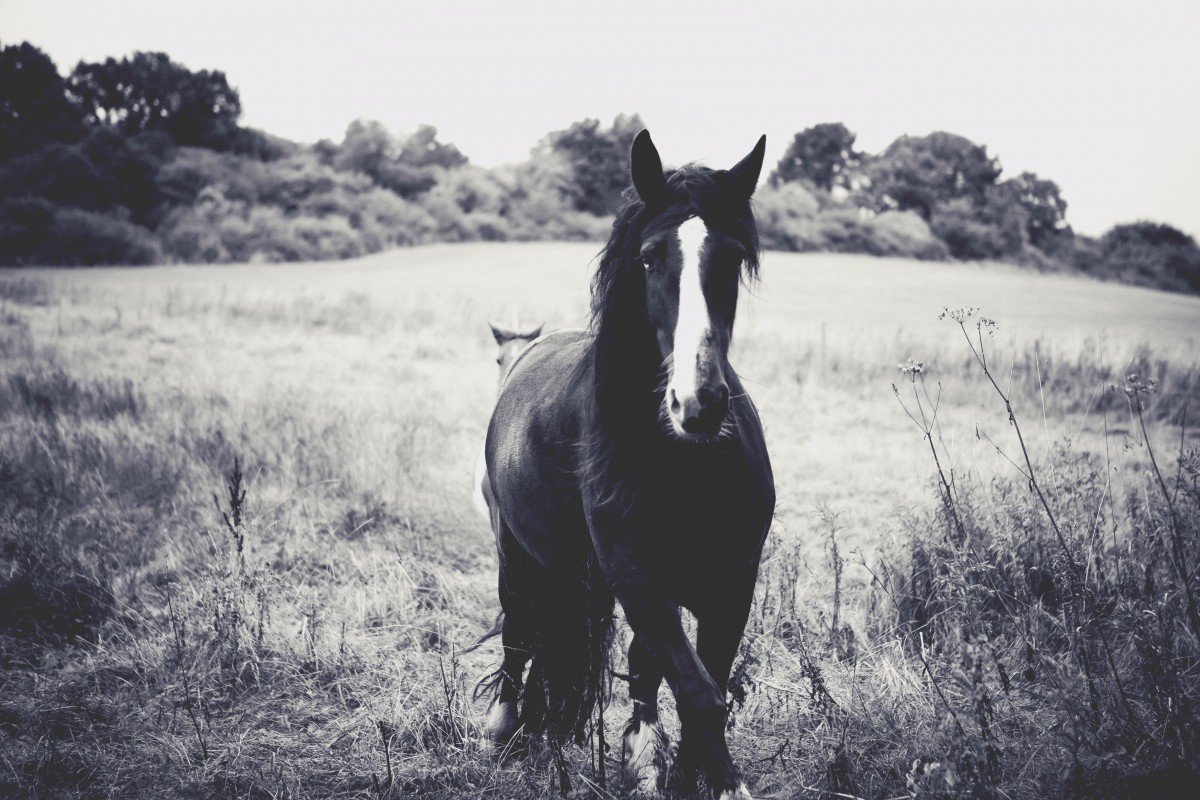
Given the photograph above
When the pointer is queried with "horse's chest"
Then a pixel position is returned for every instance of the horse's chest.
(704, 526)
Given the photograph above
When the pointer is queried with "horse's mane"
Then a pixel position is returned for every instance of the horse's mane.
(627, 373)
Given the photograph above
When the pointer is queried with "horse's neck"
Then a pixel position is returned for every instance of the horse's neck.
(627, 380)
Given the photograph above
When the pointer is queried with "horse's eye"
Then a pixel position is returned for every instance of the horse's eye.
(500, 359)
(648, 263)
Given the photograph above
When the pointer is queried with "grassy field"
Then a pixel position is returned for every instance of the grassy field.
(166, 638)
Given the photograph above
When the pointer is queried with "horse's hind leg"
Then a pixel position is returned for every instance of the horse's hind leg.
(646, 752)
(519, 576)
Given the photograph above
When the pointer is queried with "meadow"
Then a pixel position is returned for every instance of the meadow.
(240, 556)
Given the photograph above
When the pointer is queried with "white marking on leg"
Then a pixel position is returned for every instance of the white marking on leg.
(694, 323)
(647, 756)
(502, 722)
(740, 793)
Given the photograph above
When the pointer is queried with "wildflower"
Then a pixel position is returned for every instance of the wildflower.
(911, 368)
(1139, 389)
(959, 315)
(987, 324)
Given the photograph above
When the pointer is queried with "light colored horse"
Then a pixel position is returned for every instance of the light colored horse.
(511, 343)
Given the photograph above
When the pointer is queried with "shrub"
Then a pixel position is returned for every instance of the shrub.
(218, 230)
(537, 202)
(464, 213)
(1052, 605)
(103, 172)
(292, 209)
(390, 220)
(790, 218)
(58, 173)
(278, 237)
(207, 232)
(25, 225)
(781, 212)
(86, 239)
(974, 231)
(291, 182)
(35, 231)
(468, 204)
(1151, 254)
(904, 233)
(194, 169)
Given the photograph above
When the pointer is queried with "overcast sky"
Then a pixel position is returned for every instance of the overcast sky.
(1102, 97)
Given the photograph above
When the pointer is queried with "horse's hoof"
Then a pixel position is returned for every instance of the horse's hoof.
(502, 724)
(740, 792)
(648, 756)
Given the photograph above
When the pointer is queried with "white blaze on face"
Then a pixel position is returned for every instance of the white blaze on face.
(693, 326)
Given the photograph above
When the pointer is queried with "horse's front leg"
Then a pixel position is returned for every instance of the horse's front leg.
(719, 629)
(654, 618)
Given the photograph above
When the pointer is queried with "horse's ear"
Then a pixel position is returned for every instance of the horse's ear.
(501, 335)
(744, 174)
(647, 170)
(533, 334)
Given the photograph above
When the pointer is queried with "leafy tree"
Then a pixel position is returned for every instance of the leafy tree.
(422, 149)
(598, 160)
(34, 109)
(1044, 206)
(408, 167)
(919, 172)
(365, 147)
(822, 155)
(326, 151)
(150, 92)
(420, 161)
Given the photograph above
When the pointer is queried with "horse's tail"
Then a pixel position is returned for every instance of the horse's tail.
(571, 670)
(496, 630)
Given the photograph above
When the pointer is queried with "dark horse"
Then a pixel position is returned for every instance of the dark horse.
(628, 461)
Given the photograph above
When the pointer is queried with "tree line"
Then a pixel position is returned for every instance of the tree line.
(141, 160)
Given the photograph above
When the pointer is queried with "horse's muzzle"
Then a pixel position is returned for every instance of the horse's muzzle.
(700, 414)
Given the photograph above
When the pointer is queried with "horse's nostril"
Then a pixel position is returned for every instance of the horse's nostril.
(715, 399)
(674, 401)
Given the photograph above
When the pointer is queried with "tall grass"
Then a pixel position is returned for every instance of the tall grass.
(1029, 636)
(259, 582)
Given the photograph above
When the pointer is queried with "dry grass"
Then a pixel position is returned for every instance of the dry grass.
(143, 655)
